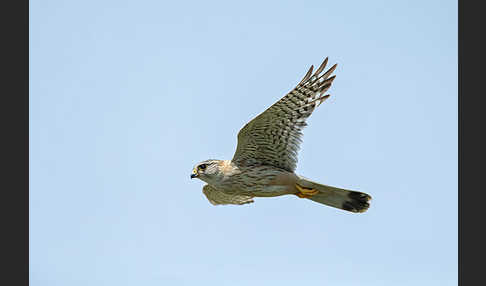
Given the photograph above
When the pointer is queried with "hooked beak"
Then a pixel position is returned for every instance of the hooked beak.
(194, 174)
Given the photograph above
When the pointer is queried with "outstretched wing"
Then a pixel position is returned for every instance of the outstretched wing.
(273, 137)
(219, 198)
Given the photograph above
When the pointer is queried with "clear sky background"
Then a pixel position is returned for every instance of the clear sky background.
(126, 96)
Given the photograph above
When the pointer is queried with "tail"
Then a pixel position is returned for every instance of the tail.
(335, 197)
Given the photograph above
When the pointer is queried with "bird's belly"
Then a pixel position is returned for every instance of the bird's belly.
(273, 191)
(262, 181)
(261, 191)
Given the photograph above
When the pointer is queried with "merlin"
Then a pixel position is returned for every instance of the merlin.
(266, 155)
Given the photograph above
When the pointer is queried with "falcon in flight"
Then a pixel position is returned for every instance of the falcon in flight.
(266, 156)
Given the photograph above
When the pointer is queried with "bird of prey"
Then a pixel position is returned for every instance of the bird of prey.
(266, 155)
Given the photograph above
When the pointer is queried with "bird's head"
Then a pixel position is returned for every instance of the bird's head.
(206, 170)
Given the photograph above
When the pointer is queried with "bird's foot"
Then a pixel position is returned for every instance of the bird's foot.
(305, 192)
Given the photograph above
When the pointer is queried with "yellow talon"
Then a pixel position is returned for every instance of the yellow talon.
(305, 192)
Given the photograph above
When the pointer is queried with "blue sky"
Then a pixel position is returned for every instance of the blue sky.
(126, 96)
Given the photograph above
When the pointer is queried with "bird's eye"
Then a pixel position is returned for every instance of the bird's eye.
(202, 166)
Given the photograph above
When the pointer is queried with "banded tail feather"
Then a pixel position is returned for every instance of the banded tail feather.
(344, 199)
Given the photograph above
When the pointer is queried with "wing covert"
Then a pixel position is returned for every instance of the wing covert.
(217, 197)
